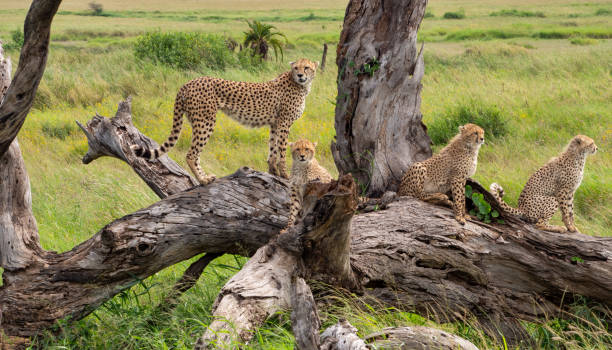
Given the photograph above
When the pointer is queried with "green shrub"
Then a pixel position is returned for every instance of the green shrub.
(185, 50)
(603, 12)
(429, 15)
(17, 40)
(517, 13)
(58, 131)
(583, 41)
(454, 15)
(489, 117)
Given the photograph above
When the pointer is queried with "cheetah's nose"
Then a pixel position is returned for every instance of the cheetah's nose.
(300, 75)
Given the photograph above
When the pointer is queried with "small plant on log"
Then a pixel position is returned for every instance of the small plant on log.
(482, 208)
(369, 68)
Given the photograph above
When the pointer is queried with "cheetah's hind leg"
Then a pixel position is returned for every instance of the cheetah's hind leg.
(439, 199)
(202, 128)
(545, 226)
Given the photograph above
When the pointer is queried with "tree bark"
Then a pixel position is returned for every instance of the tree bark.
(379, 132)
(20, 95)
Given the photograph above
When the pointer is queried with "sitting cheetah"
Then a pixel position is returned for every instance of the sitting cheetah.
(277, 103)
(431, 179)
(551, 187)
(305, 169)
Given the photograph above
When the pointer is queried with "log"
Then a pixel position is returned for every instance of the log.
(379, 132)
(343, 336)
(413, 255)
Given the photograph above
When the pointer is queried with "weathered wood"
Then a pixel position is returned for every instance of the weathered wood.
(342, 336)
(113, 137)
(20, 95)
(379, 132)
(266, 285)
(417, 338)
(236, 214)
(5, 73)
(305, 321)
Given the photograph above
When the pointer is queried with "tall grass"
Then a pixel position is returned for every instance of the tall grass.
(536, 99)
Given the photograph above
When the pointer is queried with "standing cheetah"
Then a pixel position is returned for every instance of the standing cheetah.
(305, 168)
(551, 187)
(277, 103)
(448, 170)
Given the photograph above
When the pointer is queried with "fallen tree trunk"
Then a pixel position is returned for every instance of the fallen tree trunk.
(412, 255)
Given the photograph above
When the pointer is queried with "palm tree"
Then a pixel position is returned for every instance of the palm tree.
(261, 36)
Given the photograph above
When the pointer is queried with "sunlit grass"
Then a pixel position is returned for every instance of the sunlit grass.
(547, 90)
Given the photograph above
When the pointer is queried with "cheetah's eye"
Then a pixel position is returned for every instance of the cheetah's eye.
(295, 68)
(306, 68)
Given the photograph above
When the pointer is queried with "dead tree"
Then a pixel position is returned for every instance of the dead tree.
(411, 255)
(379, 132)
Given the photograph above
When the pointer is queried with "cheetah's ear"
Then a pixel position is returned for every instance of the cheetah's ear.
(316, 64)
(578, 141)
(461, 127)
(314, 144)
(291, 63)
(291, 144)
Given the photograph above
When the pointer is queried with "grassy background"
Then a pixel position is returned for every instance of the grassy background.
(545, 77)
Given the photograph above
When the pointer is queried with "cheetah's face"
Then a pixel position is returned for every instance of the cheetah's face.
(303, 151)
(583, 144)
(303, 71)
(472, 134)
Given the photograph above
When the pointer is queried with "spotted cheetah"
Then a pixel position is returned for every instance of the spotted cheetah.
(305, 168)
(431, 179)
(277, 103)
(552, 187)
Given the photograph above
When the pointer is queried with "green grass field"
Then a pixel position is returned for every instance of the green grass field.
(544, 67)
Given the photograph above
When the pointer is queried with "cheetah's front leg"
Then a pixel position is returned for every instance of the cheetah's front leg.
(458, 189)
(273, 151)
(566, 204)
(283, 136)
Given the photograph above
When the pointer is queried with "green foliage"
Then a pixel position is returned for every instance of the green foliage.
(482, 208)
(583, 41)
(454, 15)
(369, 67)
(185, 50)
(517, 13)
(261, 36)
(603, 12)
(429, 15)
(58, 130)
(17, 40)
(577, 259)
(490, 117)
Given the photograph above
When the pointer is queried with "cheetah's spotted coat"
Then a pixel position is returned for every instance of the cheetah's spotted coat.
(552, 187)
(446, 171)
(305, 168)
(277, 103)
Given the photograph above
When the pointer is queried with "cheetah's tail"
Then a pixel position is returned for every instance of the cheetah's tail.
(177, 125)
(498, 192)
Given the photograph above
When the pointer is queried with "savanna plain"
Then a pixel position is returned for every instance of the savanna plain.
(532, 73)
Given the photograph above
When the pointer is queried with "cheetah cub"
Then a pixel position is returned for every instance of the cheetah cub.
(305, 169)
(277, 103)
(551, 187)
(446, 171)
